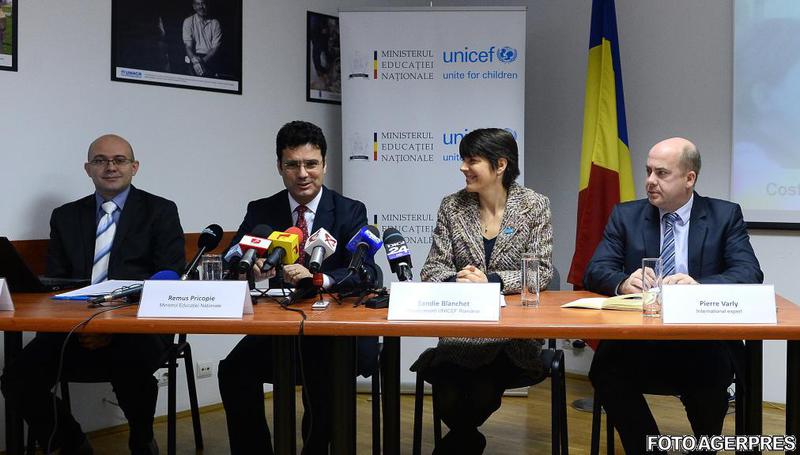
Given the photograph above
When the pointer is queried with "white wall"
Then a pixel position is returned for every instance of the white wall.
(212, 153)
(209, 152)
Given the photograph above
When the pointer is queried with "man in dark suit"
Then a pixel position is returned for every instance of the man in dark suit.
(700, 240)
(119, 232)
(309, 205)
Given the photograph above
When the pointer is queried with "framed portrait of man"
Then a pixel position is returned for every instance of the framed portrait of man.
(324, 71)
(8, 35)
(195, 44)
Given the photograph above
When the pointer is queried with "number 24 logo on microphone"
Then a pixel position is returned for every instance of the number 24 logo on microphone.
(397, 248)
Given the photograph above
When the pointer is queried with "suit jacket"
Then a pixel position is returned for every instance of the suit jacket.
(149, 238)
(339, 215)
(719, 250)
(458, 242)
(719, 247)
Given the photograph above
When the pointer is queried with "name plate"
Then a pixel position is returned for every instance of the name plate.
(5, 297)
(410, 301)
(719, 304)
(195, 299)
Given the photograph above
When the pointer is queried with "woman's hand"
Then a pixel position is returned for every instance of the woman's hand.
(471, 274)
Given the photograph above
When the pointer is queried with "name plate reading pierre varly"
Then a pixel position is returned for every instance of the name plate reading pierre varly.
(719, 304)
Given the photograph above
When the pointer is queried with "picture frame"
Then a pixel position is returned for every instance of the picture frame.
(323, 68)
(9, 19)
(193, 44)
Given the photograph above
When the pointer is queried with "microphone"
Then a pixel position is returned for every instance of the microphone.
(208, 240)
(319, 247)
(284, 249)
(132, 290)
(397, 253)
(253, 245)
(366, 240)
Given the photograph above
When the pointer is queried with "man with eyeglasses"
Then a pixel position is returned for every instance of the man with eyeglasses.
(119, 232)
(309, 205)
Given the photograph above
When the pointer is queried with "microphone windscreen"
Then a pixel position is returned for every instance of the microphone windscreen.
(165, 275)
(296, 231)
(210, 237)
(262, 230)
(374, 240)
(395, 244)
(234, 254)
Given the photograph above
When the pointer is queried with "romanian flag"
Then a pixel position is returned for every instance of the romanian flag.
(606, 177)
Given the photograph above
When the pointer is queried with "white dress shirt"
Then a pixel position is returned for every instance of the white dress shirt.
(309, 216)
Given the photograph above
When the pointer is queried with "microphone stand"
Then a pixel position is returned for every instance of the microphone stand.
(251, 281)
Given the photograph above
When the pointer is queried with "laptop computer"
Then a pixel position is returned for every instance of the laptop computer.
(20, 278)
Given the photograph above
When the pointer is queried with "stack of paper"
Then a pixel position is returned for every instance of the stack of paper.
(628, 302)
(94, 290)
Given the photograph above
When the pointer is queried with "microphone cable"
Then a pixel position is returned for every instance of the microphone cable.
(288, 300)
(83, 323)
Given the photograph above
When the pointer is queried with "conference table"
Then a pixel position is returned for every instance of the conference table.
(37, 312)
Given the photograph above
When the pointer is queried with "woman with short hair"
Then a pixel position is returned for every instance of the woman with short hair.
(481, 233)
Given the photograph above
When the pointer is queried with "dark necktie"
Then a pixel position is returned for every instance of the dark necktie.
(303, 226)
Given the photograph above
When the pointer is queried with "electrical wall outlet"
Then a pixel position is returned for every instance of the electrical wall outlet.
(205, 369)
(163, 378)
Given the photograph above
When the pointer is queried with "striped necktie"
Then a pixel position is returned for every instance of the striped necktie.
(668, 247)
(303, 226)
(103, 241)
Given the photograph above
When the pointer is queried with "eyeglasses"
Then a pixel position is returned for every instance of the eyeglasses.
(295, 165)
(117, 160)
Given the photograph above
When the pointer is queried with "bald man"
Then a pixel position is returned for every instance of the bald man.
(118, 232)
(711, 245)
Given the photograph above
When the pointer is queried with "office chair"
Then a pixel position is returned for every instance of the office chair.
(178, 350)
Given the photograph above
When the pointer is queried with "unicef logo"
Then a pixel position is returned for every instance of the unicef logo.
(507, 54)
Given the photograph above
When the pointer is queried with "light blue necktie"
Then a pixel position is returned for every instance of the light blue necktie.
(106, 228)
(668, 246)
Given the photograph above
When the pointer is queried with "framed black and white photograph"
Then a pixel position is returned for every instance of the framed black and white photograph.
(8, 35)
(195, 44)
(324, 71)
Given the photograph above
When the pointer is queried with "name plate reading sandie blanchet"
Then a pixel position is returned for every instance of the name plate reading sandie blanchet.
(719, 304)
(195, 299)
(410, 301)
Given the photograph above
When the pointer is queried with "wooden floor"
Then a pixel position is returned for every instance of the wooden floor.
(522, 425)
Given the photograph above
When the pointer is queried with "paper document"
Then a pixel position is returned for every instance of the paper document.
(94, 290)
(628, 302)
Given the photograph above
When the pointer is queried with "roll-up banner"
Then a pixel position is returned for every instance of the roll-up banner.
(414, 82)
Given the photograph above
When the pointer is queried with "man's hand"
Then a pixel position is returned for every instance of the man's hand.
(679, 278)
(471, 274)
(92, 341)
(293, 273)
(199, 70)
(633, 284)
(257, 274)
